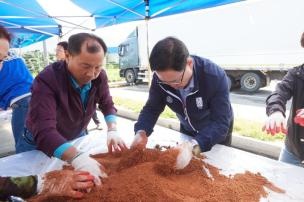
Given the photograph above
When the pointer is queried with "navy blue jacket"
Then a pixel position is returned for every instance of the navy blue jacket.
(208, 121)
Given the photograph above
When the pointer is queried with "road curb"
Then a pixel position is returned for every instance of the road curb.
(118, 84)
(259, 147)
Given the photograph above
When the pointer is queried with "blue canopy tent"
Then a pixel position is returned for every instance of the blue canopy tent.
(110, 12)
(30, 23)
(27, 21)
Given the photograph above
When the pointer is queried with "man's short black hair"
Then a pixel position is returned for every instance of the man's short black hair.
(75, 42)
(4, 34)
(63, 44)
(169, 54)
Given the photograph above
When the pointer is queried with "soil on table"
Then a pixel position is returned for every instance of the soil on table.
(150, 175)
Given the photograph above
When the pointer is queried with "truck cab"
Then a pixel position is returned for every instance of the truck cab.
(128, 58)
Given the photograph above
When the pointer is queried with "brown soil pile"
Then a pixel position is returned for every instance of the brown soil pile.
(150, 175)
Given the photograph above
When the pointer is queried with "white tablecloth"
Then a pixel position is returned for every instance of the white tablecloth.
(229, 160)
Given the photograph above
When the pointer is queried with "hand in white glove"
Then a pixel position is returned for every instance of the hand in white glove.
(65, 183)
(116, 142)
(185, 155)
(84, 162)
(275, 123)
(140, 140)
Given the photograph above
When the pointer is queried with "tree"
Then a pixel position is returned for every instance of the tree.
(35, 60)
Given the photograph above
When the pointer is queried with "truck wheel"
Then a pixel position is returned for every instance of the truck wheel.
(230, 82)
(250, 82)
(130, 76)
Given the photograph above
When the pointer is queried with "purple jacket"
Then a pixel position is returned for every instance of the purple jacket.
(56, 114)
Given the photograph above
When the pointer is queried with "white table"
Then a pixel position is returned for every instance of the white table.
(7, 143)
(229, 160)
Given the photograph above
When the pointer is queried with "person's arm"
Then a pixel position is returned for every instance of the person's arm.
(42, 118)
(283, 92)
(149, 114)
(111, 122)
(105, 101)
(220, 117)
(20, 79)
(3, 104)
(64, 182)
(67, 183)
(114, 141)
(276, 104)
(24, 187)
(106, 105)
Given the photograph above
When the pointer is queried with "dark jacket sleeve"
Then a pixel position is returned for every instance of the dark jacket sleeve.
(24, 187)
(42, 112)
(105, 103)
(283, 92)
(220, 116)
(153, 108)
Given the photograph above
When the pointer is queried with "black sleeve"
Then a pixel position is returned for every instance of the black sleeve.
(284, 91)
(154, 106)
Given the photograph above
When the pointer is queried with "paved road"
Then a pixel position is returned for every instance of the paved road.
(245, 106)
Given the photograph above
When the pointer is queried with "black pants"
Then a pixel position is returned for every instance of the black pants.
(95, 118)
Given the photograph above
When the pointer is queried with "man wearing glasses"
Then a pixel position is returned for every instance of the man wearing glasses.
(194, 88)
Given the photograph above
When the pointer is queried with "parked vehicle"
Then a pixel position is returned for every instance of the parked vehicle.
(253, 41)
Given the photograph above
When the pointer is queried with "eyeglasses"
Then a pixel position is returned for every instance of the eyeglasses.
(175, 82)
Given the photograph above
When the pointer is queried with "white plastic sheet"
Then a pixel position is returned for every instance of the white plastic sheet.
(5, 115)
(229, 160)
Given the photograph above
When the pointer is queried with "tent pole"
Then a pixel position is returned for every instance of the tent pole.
(148, 52)
(45, 54)
(147, 17)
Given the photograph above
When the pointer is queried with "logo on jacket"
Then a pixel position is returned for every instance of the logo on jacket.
(199, 102)
(169, 99)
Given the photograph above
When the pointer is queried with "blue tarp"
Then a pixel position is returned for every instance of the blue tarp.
(27, 21)
(110, 12)
(22, 38)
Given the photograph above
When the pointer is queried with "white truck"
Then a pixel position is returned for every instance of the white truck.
(253, 41)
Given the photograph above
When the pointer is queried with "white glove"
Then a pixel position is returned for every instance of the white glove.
(84, 162)
(185, 155)
(114, 141)
(275, 123)
(40, 183)
(140, 139)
